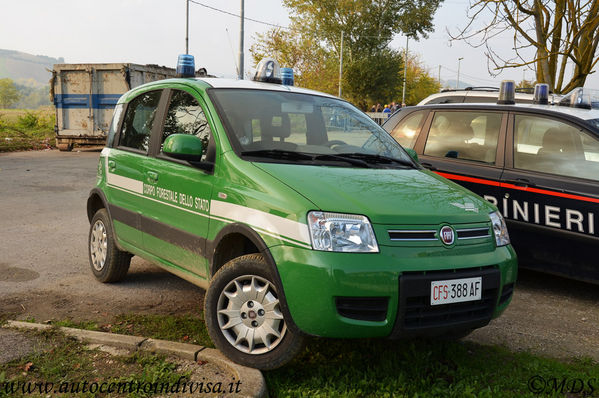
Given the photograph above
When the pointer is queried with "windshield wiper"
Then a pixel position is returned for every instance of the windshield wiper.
(278, 154)
(378, 159)
(342, 158)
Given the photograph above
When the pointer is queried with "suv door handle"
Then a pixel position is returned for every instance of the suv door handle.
(111, 165)
(152, 176)
(520, 182)
(429, 166)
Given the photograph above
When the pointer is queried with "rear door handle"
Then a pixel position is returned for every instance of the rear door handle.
(111, 165)
(520, 182)
(152, 176)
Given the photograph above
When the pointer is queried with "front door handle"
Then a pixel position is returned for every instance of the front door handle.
(111, 165)
(152, 176)
(429, 166)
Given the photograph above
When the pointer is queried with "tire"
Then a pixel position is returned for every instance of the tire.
(64, 147)
(260, 312)
(108, 263)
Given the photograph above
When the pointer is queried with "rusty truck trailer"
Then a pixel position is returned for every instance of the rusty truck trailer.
(84, 96)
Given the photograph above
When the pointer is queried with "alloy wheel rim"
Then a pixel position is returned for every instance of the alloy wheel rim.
(98, 245)
(249, 315)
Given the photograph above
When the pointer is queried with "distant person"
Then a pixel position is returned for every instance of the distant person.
(373, 108)
(394, 107)
(379, 108)
(386, 109)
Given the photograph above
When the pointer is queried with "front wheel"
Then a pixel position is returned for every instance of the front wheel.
(244, 317)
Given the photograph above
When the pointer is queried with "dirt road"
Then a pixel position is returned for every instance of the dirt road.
(44, 271)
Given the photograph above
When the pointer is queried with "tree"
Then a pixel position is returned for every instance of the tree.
(8, 93)
(312, 44)
(560, 33)
(419, 83)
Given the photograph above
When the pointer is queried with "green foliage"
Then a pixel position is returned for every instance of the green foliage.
(26, 129)
(419, 83)
(374, 78)
(32, 96)
(312, 45)
(526, 84)
(8, 93)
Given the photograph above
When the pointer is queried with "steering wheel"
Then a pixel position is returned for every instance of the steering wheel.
(330, 144)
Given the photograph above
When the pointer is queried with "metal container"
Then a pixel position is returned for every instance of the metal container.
(85, 95)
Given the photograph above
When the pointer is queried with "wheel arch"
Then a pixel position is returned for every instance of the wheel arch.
(236, 233)
(96, 201)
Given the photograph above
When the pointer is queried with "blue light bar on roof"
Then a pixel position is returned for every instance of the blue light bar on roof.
(185, 66)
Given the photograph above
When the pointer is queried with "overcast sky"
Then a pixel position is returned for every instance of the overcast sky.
(153, 32)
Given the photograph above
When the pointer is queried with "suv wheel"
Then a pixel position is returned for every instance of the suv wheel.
(244, 318)
(108, 263)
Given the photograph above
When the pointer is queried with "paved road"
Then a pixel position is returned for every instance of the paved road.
(44, 267)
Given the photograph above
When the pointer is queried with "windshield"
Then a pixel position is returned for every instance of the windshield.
(306, 129)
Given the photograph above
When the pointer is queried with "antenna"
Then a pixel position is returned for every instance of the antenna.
(232, 52)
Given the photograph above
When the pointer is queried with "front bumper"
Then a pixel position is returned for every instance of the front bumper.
(355, 295)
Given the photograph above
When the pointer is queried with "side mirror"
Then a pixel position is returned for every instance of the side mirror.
(183, 147)
(412, 154)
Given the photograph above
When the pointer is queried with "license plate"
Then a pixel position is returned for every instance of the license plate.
(456, 290)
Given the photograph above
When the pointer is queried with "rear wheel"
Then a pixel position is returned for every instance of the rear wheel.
(244, 317)
(108, 263)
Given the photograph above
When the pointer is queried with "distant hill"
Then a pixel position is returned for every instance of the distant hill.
(26, 69)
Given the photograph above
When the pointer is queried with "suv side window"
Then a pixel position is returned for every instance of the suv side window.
(139, 118)
(551, 146)
(185, 116)
(407, 130)
(468, 135)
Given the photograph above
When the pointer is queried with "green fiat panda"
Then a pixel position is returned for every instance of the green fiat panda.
(296, 213)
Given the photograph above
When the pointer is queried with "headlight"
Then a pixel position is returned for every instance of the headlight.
(502, 238)
(335, 232)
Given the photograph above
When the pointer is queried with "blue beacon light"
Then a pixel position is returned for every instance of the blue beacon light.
(287, 76)
(185, 66)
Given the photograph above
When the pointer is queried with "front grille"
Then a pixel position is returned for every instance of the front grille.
(363, 308)
(406, 235)
(473, 233)
(417, 317)
(506, 293)
(433, 235)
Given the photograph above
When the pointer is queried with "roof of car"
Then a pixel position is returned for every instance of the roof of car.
(252, 85)
(473, 93)
(580, 113)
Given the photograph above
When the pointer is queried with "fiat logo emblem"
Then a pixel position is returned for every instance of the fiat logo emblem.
(447, 235)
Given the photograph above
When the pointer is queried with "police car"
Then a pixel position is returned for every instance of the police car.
(538, 163)
(292, 224)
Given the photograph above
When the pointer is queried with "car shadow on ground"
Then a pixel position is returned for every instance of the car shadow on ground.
(559, 285)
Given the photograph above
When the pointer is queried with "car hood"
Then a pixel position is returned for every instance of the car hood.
(385, 196)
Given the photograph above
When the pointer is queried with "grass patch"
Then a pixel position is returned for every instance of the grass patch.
(383, 368)
(23, 129)
(67, 360)
(182, 328)
(87, 325)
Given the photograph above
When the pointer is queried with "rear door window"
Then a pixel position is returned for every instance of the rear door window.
(551, 146)
(138, 122)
